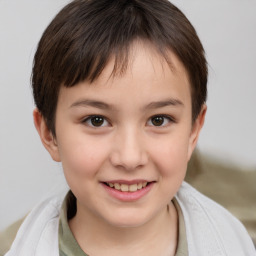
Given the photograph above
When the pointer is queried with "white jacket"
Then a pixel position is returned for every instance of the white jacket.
(210, 229)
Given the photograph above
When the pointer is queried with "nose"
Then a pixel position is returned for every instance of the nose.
(129, 151)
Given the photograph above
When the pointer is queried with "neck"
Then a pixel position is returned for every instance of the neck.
(161, 231)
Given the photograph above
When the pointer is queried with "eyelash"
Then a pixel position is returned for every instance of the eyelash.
(88, 120)
(165, 118)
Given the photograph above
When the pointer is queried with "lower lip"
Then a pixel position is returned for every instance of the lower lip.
(128, 196)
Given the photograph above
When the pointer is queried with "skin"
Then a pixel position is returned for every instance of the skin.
(126, 146)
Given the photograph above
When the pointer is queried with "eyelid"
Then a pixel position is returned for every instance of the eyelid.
(168, 117)
(88, 119)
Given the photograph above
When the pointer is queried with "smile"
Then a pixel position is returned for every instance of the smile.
(128, 191)
(126, 187)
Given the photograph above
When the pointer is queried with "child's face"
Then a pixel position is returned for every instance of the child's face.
(128, 130)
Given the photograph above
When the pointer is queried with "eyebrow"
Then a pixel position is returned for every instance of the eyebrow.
(164, 103)
(91, 103)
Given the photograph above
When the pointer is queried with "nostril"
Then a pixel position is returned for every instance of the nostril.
(128, 160)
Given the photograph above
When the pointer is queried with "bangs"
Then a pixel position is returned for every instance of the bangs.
(90, 45)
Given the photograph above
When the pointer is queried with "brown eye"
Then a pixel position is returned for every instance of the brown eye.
(96, 121)
(157, 120)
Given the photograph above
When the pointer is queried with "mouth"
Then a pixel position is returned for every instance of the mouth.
(124, 187)
(128, 191)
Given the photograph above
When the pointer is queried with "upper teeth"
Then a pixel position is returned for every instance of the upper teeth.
(126, 187)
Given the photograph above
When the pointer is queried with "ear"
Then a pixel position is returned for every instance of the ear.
(196, 128)
(46, 136)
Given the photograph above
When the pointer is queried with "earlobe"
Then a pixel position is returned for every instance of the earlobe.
(46, 136)
(197, 126)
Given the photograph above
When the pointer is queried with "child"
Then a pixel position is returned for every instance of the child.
(120, 91)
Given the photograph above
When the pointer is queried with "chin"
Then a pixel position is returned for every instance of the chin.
(129, 219)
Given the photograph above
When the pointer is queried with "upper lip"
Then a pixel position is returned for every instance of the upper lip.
(128, 182)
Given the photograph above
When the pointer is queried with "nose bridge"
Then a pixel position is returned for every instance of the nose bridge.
(129, 151)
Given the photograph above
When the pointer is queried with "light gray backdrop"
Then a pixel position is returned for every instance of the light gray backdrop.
(227, 29)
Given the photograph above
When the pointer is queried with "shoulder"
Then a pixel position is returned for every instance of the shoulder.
(211, 227)
(39, 221)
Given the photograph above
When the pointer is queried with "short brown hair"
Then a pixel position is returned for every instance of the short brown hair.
(85, 34)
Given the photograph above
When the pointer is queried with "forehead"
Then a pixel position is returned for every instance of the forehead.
(143, 55)
(148, 74)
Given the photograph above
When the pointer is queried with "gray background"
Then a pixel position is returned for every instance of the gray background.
(227, 29)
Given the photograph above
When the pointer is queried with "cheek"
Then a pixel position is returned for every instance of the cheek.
(170, 160)
(171, 157)
(82, 158)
